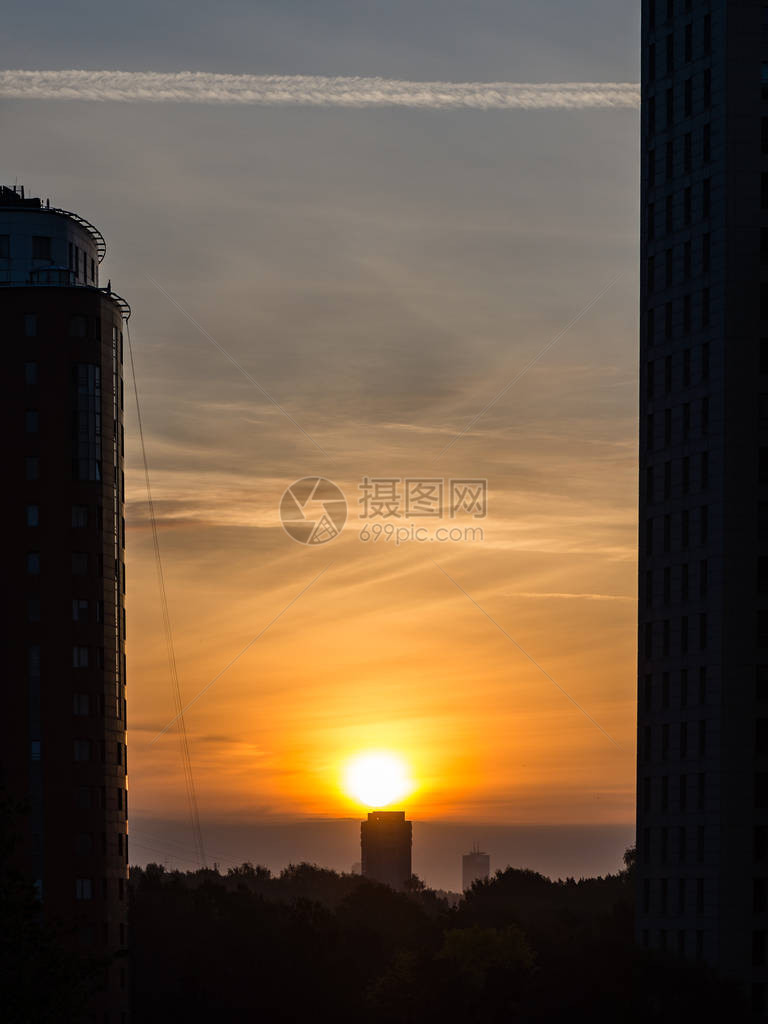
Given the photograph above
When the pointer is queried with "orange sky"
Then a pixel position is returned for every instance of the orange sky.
(383, 651)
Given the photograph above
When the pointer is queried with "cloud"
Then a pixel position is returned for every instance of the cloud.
(313, 91)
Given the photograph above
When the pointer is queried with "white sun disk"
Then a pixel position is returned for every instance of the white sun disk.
(377, 779)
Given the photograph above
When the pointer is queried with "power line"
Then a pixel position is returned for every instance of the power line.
(186, 760)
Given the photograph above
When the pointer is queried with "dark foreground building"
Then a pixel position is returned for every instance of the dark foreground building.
(62, 727)
(386, 840)
(703, 588)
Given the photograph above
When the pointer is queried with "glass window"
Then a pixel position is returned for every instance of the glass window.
(33, 609)
(30, 373)
(79, 515)
(32, 467)
(33, 563)
(83, 889)
(35, 750)
(79, 657)
(41, 247)
(79, 563)
(83, 750)
(78, 327)
(81, 704)
(33, 515)
(30, 325)
(31, 421)
(84, 843)
(79, 610)
(5, 246)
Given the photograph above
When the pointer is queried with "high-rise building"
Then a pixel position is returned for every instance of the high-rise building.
(702, 819)
(475, 867)
(62, 727)
(385, 842)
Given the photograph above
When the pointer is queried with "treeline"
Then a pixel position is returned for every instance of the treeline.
(311, 944)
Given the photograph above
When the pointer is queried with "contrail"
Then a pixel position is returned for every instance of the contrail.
(313, 91)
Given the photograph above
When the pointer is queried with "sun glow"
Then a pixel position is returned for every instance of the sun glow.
(377, 779)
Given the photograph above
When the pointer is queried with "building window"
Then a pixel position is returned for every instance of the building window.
(5, 247)
(33, 515)
(81, 704)
(79, 657)
(760, 843)
(33, 609)
(31, 421)
(30, 374)
(79, 516)
(33, 563)
(83, 889)
(706, 197)
(79, 563)
(761, 736)
(83, 750)
(79, 610)
(41, 247)
(688, 100)
(84, 843)
(78, 327)
(758, 948)
(761, 682)
(32, 467)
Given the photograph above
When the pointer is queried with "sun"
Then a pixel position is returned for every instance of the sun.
(377, 779)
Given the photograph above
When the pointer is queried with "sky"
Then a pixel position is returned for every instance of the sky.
(383, 275)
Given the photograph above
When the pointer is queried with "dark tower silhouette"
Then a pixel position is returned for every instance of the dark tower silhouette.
(385, 841)
(62, 728)
(702, 819)
(475, 867)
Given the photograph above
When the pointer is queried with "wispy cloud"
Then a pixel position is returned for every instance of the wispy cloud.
(312, 91)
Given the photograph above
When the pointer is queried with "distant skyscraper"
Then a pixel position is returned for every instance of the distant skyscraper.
(475, 867)
(702, 818)
(385, 841)
(62, 726)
